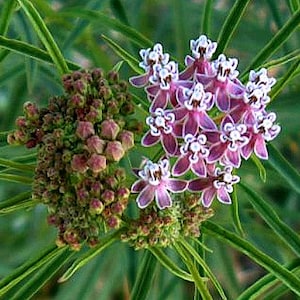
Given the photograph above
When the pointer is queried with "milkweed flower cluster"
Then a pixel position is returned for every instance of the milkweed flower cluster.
(206, 120)
(80, 138)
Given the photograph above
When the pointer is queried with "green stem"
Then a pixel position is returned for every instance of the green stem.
(15, 178)
(15, 165)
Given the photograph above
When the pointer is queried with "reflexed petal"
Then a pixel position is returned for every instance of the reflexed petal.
(216, 152)
(204, 79)
(247, 150)
(223, 196)
(181, 166)
(176, 185)
(146, 196)
(169, 143)
(199, 184)
(212, 136)
(152, 89)
(222, 100)
(208, 196)
(225, 120)
(234, 158)
(189, 60)
(178, 129)
(249, 118)
(206, 122)
(180, 113)
(199, 168)
(188, 73)
(138, 186)
(235, 90)
(260, 148)
(140, 80)
(149, 139)
(190, 125)
(160, 101)
(163, 198)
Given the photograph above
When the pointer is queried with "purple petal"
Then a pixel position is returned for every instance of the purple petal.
(212, 136)
(208, 196)
(235, 90)
(188, 73)
(260, 148)
(160, 101)
(180, 113)
(138, 186)
(247, 150)
(222, 100)
(225, 120)
(199, 168)
(189, 60)
(223, 196)
(178, 129)
(216, 151)
(234, 158)
(169, 143)
(181, 166)
(146, 196)
(140, 80)
(204, 79)
(249, 118)
(149, 139)
(176, 185)
(152, 89)
(199, 184)
(163, 198)
(190, 125)
(205, 122)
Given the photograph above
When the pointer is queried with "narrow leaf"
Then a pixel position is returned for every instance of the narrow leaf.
(294, 5)
(265, 210)
(6, 13)
(206, 19)
(44, 35)
(275, 43)
(15, 200)
(169, 264)
(87, 256)
(230, 25)
(287, 277)
(15, 178)
(31, 51)
(119, 11)
(132, 62)
(260, 167)
(284, 168)
(283, 60)
(235, 213)
(15, 165)
(21, 205)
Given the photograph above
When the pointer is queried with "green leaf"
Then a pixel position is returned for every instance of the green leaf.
(259, 288)
(265, 210)
(15, 200)
(230, 25)
(204, 266)
(235, 213)
(26, 269)
(198, 280)
(284, 168)
(260, 167)
(21, 205)
(15, 178)
(287, 277)
(90, 254)
(119, 11)
(145, 277)
(283, 60)
(30, 287)
(285, 80)
(132, 62)
(206, 19)
(275, 43)
(294, 5)
(31, 51)
(169, 264)
(45, 36)
(15, 165)
(6, 13)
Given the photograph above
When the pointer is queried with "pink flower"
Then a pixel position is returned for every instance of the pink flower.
(261, 129)
(202, 51)
(194, 151)
(162, 128)
(194, 104)
(218, 183)
(227, 143)
(156, 183)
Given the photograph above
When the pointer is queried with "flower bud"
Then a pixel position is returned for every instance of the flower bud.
(109, 129)
(114, 151)
(97, 163)
(127, 139)
(96, 206)
(113, 222)
(85, 130)
(95, 144)
(108, 196)
(79, 163)
(31, 111)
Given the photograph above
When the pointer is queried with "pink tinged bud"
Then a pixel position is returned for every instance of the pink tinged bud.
(108, 196)
(11, 139)
(113, 222)
(79, 163)
(117, 208)
(109, 129)
(111, 181)
(85, 130)
(95, 144)
(123, 193)
(77, 100)
(97, 163)
(21, 121)
(127, 139)
(31, 111)
(96, 206)
(114, 151)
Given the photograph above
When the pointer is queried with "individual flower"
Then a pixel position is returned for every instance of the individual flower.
(228, 142)
(195, 103)
(261, 79)
(202, 51)
(262, 129)
(162, 128)
(150, 57)
(155, 183)
(223, 82)
(193, 152)
(217, 184)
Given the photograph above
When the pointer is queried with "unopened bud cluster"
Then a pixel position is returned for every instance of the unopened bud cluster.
(80, 138)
